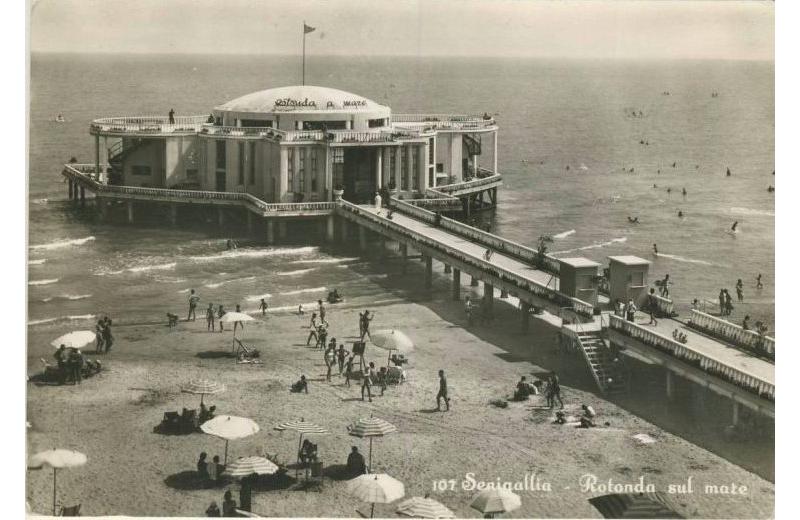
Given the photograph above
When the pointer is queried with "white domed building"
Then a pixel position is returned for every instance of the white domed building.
(297, 144)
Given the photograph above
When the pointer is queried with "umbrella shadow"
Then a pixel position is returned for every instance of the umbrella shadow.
(276, 482)
(215, 354)
(161, 429)
(337, 472)
(190, 480)
(350, 399)
(428, 410)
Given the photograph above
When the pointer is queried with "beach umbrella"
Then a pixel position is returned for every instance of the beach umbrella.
(57, 459)
(305, 428)
(391, 339)
(202, 387)
(635, 505)
(229, 427)
(246, 466)
(75, 339)
(234, 317)
(370, 427)
(375, 489)
(496, 500)
(419, 507)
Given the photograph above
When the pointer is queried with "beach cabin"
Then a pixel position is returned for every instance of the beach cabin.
(628, 278)
(578, 278)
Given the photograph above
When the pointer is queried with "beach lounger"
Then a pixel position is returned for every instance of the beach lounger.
(70, 511)
(247, 355)
(247, 514)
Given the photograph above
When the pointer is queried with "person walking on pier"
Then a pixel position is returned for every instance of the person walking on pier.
(193, 299)
(210, 317)
(665, 283)
(652, 305)
(172, 116)
(739, 290)
(722, 302)
(728, 303)
(442, 394)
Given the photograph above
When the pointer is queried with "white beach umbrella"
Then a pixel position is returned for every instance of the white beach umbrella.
(496, 500)
(75, 339)
(57, 459)
(392, 339)
(235, 317)
(230, 427)
(202, 387)
(376, 489)
(371, 427)
(419, 507)
(245, 466)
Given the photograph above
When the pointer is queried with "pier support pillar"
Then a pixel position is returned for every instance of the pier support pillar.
(456, 284)
(344, 225)
(70, 188)
(173, 214)
(83, 197)
(362, 238)
(503, 293)
(249, 218)
(670, 385)
(473, 282)
(220, 216)
(735, 418)
(102, 208)
(404, 254)
(488, 296)
(447, 269)
(97, 154)
(329, 228)
(467, 202)
(129, 204)
(525, 316)
(270, 231)
(428, 272)
(282, 229)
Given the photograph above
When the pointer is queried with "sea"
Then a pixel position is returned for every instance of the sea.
(583, 145)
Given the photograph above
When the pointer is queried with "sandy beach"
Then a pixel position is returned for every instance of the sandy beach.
(134, 471)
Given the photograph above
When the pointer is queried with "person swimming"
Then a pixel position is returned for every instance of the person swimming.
(633, 220)
(669, 190)
(684, 192)
(771, 189)
(674, 164)
(680, 214)
(734, 226)
(727, 172)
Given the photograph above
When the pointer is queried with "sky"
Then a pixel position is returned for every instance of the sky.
(640, 29)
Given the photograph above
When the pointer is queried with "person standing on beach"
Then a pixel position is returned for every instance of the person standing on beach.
(652, 305)
(313, 332)
(739, 290)
(442, 394)
(555, 390)
(238, 323)
(341, 355)
(193, 299)
(98, 333)
(321, 311)
(220, 314)
(348, 369)
(367, 318)
(263, 306)
(759, 285)
(108, 338)
(366, 384)
(210, 317)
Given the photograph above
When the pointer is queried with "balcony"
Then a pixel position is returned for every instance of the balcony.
(483, 179)
(445, 122)
(147, 126)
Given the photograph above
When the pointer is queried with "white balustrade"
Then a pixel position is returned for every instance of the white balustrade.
(733, 333)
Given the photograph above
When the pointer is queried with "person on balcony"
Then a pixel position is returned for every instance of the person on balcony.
(172, 116)
(652, 306)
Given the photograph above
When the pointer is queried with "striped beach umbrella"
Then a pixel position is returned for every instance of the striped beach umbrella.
(371, 427)
(635, 505)
(57, 459)
(496, 500)
(230, 427)
(376, 489)
(245, 466)
(419, 507)
(75, 339)
(305, 428)
(202, 387)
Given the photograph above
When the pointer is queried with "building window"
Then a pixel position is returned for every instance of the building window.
(338, 156)
(290, 169)
(376, 123)
(242, 157)
(301, 170)
(220, 154)
(251, 164)
(430, 151)
(314, 172)
(140, 170)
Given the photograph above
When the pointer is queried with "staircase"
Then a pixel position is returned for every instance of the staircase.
(117, 154)
(608, 374)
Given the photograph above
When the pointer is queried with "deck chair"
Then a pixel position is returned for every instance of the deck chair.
(247, 355)
(189, 420)
(70, 511)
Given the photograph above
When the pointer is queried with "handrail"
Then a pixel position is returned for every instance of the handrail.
(241, 131)
(445, 121)
(538, 289)
(148, 124)
(348, 136)
(664, 306)
(733, 333)
(737, 376)
(474, 183)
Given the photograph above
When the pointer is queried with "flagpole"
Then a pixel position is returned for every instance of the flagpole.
(304, 52)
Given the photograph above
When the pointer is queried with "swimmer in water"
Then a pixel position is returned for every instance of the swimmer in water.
(654, 186)
(655, 249)
(669, 190)
(674, 164)
(568, 167)
(684, 193)
(680, 214)
(728, 172)
(633, 220)
(771, 189)
(734, 226)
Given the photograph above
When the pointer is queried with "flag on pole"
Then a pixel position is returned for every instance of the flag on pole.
(308, 29)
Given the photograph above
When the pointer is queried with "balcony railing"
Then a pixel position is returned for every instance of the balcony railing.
(730, 332)
(148, 124)
(737, 376)
(664, 306)
(445, 121)
(483, 178)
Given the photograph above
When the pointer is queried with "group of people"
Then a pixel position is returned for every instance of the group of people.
(725, 303)
(73, 365)
(105, 340)
(679, 336)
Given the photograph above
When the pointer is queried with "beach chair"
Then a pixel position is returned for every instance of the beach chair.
(247, 355)
(70, 511)
(188, 421)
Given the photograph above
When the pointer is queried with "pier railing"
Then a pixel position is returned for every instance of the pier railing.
(737, 376)
(147, 125)
(483, 178)
(664, 306)
(732, 333)
(445, 121)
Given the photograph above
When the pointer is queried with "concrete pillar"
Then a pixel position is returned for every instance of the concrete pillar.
(446, 269)
(130, 211)
(398, 172)
(270, 231)
(735, 418)
(386, 173)
(220, 216)
(348, 125)
(475, 164)
(362, 238)
(282, 229)
(344, 226)
(456, 284)
(83, 197)
(70, 188)
(428, 272)
(503, 293)
(494, 158)
(525, 315)
(488, 296)
(669, 384)
(102, 207)
(473, 282)
(173, 214)
(408, 173)
(467, 203)
(97, 154)
(404, 254)
(423, 166)
(379, 169)
(249, 221)
(329, 235)
(283, 177)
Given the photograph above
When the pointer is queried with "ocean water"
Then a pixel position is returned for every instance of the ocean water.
(552, 114)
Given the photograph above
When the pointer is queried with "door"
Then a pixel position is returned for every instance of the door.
(220, 180)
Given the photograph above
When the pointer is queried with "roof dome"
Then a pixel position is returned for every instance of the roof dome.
(301, 98)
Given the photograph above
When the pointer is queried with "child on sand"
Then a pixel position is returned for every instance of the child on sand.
(263, 306)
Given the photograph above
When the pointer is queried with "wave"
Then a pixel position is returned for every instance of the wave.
(325, 261)
(217, 284)
(750, 211)
(37, 262)
(301, 291)
(297, 272)
(184, 291)
(308, 308)
(565, 234)
(67, 297)
(104, 271)
(58, 244)
(63, 318)
(40, 201)
(157, 267)
(254, 253)
(258, 297)
(43, 282)
(687, 260)
(620, 240)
